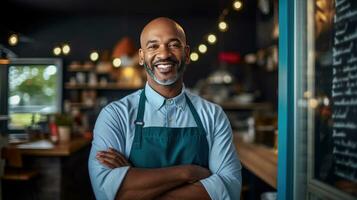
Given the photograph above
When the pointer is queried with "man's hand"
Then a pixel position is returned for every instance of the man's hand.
(112, 158)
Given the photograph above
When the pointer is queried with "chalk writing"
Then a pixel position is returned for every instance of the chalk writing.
(343, 90)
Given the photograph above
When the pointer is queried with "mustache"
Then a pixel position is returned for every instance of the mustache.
(170, 60)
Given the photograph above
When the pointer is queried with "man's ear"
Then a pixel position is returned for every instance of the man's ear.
(187, 54)
(141, 57)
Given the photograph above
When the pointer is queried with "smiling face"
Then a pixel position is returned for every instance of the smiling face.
(163, 52)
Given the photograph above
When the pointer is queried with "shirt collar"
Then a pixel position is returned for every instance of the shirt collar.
(157, 101)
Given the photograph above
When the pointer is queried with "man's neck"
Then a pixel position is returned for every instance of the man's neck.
(167, 91)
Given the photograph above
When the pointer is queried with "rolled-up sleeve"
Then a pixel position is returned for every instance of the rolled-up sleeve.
(107, 133)
(226, 180)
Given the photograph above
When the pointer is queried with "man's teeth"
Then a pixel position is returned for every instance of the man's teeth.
(164, 67)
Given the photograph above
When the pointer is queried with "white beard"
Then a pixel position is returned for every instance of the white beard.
(164, 82)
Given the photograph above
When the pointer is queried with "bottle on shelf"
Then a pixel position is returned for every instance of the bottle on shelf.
(54, 136)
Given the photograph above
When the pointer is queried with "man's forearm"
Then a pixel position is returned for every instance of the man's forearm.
(187, 192)
(151, 183)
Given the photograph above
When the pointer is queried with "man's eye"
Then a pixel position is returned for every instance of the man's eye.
(175, 45)
(151, 47)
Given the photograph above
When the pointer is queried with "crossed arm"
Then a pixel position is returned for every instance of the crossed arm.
(177, 182)
(180, 182)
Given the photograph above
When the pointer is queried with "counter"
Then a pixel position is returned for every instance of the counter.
(63, 171)
(61, 149)
(258, 159)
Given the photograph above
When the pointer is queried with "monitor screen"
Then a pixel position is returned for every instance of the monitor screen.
(34, 90)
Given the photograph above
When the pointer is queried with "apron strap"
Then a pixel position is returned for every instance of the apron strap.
(139, 122)
(195, 114)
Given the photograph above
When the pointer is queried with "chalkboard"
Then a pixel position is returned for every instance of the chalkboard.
(335, 82)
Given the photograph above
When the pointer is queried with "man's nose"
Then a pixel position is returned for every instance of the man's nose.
(164, 52)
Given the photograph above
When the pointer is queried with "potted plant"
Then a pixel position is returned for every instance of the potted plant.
(64, 124)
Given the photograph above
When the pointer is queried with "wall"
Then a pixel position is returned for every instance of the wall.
(86, 33)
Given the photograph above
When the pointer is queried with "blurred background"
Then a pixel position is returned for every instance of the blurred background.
(88, 49)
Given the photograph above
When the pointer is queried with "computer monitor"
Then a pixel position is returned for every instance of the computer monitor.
(34, 90)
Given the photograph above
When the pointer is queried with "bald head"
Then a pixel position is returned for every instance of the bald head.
(160, 25)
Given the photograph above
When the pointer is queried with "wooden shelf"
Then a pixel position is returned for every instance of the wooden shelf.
(61, 149)
(109, 86)
(19, 174)
(89, 70)
(80, 70)
(258, 159)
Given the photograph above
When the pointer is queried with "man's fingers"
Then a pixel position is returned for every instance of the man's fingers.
(113, 157)
(108, 164)
(111, 161)
(119, 156)
(122, 160)
(117, 153)
(114, 150)
(101, 160)
(107, 154)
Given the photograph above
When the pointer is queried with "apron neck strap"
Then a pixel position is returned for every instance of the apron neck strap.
(194, 112)
(139, 122)
(140, 116)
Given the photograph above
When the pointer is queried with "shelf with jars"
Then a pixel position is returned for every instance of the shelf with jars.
(89, 83)
(106, 86)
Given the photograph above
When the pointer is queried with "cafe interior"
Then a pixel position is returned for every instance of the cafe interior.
(62, 61)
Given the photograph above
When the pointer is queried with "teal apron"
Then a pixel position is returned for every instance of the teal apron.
(155, 147)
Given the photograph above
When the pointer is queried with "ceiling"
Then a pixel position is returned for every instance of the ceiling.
(39, 19)
(24, 15)
(120, 7)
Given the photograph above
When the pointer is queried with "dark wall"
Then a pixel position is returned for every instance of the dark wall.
(86, 33)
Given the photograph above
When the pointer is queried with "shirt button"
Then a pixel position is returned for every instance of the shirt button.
(170, 101)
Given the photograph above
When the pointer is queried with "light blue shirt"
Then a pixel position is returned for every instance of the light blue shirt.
(115, 128)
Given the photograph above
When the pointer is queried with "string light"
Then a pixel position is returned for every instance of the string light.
(313, 103)
(223, 26)
(66, 49)
(237, 5)
(211, 38)
(94, 56)
(57, 50)
(194, 56)
(202, 48)
(13, 39)
(116, 62)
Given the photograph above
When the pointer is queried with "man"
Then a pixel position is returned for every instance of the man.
(163, 142)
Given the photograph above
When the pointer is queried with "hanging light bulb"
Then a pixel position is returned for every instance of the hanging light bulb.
(116, 62)
(223, 26)
(13, 39)
(66, 49)
(211, 38)
(237, 5)
(94, 56)
(194, 56)
(202, 48)
(57, 50)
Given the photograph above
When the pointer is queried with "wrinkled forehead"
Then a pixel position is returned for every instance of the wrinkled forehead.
(163, 30)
